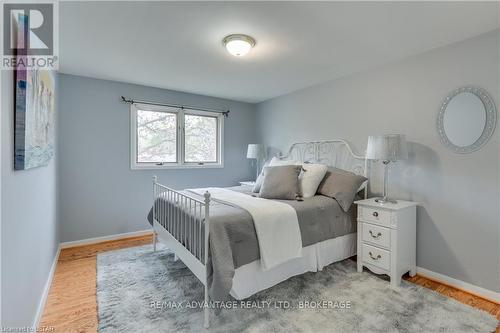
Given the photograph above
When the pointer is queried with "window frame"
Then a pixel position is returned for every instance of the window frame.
(180, 137)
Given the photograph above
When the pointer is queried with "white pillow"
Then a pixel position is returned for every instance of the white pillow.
(362, 187)
(260, 179)
(310, 177)
(275, 161)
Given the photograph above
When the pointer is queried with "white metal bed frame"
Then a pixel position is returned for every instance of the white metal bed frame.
(177, 222)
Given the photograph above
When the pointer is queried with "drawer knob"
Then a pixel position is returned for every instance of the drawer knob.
(374, 258)
(375, 214)
(375, 236)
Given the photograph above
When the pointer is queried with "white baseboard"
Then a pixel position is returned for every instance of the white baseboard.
(465, 286)
(88, 241)
(46, 289)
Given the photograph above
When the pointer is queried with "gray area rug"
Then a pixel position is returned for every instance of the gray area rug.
(142, 291)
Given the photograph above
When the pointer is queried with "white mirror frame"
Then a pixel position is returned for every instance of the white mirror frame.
(489, 128)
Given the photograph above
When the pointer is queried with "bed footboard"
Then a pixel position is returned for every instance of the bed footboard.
(182, 223)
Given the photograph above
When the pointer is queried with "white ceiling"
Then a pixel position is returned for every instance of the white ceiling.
(178, 46)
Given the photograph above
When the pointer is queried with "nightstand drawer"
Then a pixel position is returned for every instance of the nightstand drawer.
(377, 235)
(376, 257)
(375, 215)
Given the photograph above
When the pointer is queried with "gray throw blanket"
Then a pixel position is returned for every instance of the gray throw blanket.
(234, 243)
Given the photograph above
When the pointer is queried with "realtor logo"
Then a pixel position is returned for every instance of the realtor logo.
(29, 35)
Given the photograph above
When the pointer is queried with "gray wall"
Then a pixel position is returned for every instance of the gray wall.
(29, 227)
(458, 222)
(99, 194)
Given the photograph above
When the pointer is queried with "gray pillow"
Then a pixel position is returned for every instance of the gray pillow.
(275, 161)
(341, 185)
(280, 182)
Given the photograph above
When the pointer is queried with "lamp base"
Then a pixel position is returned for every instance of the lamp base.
(385, 200)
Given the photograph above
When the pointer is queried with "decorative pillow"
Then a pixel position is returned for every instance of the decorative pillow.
(280, 182)
(275, 161)
(258, 181)
(342, 186)
(310, 178)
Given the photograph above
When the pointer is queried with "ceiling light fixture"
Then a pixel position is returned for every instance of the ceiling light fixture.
(238, 44)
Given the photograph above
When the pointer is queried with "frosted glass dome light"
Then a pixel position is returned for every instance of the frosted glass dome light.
(238, 45)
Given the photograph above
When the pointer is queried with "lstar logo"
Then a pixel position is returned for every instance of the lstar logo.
(28, 29)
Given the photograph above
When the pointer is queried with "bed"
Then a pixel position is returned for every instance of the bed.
(214, 232)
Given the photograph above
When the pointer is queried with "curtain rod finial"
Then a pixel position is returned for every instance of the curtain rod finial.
(130, 101)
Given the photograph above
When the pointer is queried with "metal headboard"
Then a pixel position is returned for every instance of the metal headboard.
(337, 153)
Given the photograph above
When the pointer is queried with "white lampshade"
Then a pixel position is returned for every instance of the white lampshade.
(255, 151)
(391, 147)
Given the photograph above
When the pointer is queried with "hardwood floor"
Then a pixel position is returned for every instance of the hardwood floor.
(459, 295)
(72, 306)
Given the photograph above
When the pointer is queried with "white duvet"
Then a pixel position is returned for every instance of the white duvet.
(276, 224)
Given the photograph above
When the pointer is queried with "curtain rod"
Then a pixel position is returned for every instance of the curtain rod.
(134, 101)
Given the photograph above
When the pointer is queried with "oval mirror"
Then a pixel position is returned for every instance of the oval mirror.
(467, 119)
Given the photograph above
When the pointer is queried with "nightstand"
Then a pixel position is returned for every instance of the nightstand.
(387, 238)
(247, 183)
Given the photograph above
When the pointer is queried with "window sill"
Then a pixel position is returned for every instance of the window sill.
(176, 166)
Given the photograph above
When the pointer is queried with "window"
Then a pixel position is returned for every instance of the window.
(200, 138)
(164, 137)
(156, 137)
